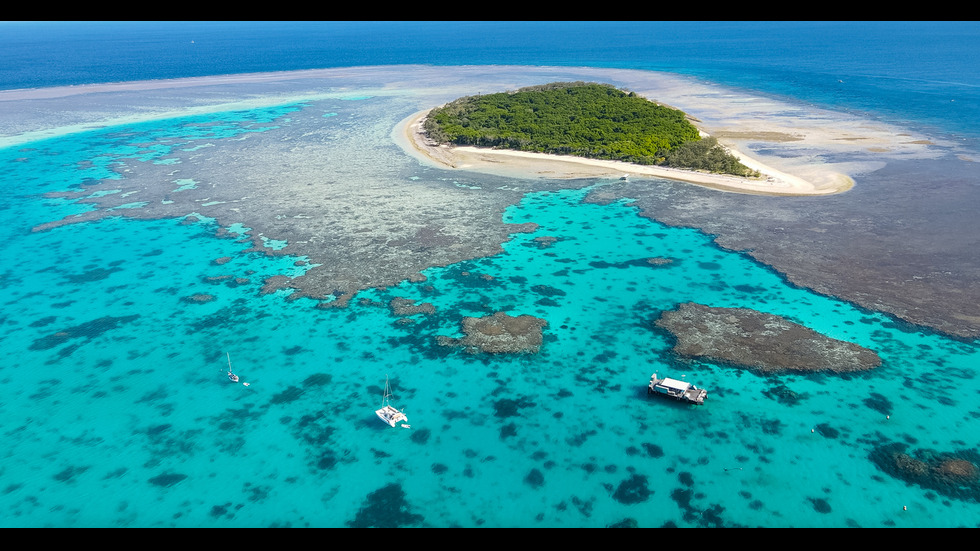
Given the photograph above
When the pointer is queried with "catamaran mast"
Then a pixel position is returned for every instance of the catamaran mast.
(384, 398)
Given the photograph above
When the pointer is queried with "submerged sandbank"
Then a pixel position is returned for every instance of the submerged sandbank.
(523, 164)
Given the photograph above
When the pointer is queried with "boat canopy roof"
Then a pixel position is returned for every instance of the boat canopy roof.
(674, 383)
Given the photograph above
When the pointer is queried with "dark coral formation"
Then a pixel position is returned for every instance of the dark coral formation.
(499, 333)
(88, 330)
(953, 474)
(785, 395)
(421, 436)
(534, 478)
(879, 403)
(635, 489)
(69, 473)
(386, 508)
(506, 407)
(820, 505)
(760, 341)
(635, 263)
(167, 480)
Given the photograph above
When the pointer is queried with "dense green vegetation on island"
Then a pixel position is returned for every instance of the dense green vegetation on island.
(584, 119)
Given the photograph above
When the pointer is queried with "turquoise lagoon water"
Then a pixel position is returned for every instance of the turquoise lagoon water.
(117, 412)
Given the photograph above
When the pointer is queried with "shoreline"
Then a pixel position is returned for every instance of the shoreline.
(520, 164)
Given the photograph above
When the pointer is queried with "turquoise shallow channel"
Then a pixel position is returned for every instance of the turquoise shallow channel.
(117, 410)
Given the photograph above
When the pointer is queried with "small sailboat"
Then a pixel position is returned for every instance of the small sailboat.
(388, 413)
(231, 376)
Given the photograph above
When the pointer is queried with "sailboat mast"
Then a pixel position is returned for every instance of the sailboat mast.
(229, 361)
(384, 400)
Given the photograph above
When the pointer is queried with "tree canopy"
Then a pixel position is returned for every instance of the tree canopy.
(584, 119)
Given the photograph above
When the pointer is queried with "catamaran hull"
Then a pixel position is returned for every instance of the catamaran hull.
(391, 416)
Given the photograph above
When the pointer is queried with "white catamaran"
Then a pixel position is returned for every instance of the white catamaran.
(231, 376)
(388, 413)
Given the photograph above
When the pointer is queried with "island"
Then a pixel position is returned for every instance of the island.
(583, 119)
(579, 130)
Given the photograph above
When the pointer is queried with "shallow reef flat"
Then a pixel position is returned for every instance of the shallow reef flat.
(342, 192)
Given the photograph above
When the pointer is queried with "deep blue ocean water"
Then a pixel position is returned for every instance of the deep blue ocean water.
(116, 411)
(923, 72)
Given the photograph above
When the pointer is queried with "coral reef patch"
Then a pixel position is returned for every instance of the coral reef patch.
(386, 508)
(499, 333)
(955, 474)
(759, 341)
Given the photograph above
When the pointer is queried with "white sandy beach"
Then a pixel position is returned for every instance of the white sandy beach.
(523, 164)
